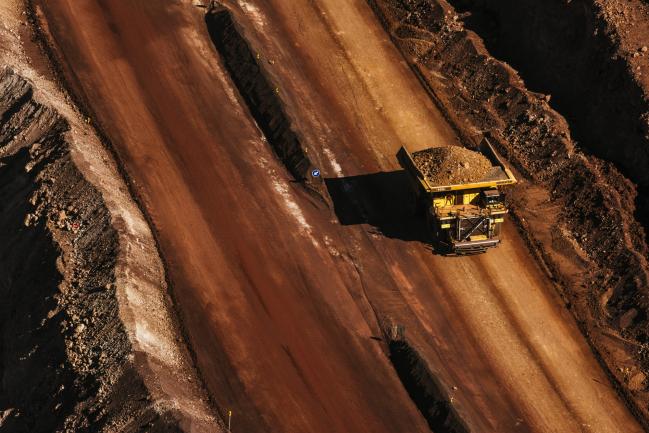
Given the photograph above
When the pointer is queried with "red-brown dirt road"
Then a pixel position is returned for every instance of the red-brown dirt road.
(279, 299)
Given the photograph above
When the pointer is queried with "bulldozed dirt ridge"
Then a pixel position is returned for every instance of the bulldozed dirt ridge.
(88, 339)
(595, 66)
(582, 218)
(323, 315)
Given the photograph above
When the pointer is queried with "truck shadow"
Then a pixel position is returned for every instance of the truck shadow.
(382, 200)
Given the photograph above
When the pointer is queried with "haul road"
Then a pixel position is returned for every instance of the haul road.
(285, 308)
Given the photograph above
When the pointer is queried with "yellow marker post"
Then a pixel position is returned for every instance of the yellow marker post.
(229, 419)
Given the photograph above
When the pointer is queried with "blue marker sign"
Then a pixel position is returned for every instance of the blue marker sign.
(315, 172)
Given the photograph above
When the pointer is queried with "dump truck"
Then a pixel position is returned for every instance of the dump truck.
(465, 216)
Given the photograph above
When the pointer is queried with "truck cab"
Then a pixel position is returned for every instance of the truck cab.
(467, 221)
(463, 218)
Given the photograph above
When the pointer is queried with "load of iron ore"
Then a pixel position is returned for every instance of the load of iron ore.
(452, 165)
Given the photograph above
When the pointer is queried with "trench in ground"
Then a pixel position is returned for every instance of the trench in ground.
(424, 389)
(561, 49)
(258, 92)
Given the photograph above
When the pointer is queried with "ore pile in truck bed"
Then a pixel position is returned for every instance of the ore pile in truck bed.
(452, 165)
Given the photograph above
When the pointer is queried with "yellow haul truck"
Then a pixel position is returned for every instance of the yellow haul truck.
(463, 218)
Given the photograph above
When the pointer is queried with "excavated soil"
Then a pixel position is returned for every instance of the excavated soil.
(65, 358)
(451, 165)
(581, 219)
(595, 64)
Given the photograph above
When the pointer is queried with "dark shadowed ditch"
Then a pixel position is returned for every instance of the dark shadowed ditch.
(424, 389)
(258, 92)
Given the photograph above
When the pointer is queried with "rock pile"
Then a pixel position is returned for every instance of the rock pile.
(451, 165)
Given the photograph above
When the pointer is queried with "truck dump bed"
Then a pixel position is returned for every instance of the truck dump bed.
(495, 176)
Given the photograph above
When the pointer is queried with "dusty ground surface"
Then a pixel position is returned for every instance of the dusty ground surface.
(284, 306)
(583, 220)
(78, 269)
(451, 165)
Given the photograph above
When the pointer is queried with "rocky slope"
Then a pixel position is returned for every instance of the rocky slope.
(66, 360)
(593, 58)
(65, 353)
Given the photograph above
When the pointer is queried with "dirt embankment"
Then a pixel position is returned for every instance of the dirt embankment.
(593, 58)
(64, 351)
(66, 360)
(577, 209)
